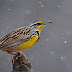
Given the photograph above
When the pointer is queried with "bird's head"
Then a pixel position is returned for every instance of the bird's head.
(38, 26)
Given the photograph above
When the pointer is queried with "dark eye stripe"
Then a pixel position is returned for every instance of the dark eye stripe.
(38, 23)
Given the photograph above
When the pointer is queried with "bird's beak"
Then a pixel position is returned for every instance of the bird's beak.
(49, 22)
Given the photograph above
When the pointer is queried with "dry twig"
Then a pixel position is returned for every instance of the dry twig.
(21, 64)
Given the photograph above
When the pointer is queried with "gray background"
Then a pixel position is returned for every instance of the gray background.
(53, 51)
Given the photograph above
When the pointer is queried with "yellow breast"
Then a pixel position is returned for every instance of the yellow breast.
(30, 42)
(27, 44)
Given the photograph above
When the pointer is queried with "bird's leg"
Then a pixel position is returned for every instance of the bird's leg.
(13, 52)
(17, 54)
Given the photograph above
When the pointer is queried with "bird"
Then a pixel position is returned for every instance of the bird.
(22, 38)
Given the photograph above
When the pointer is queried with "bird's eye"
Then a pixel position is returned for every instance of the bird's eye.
(38, 23)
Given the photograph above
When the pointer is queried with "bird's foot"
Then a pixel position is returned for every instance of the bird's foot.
(16, 55)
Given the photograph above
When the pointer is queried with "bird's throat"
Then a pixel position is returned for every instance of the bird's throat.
(40, 29)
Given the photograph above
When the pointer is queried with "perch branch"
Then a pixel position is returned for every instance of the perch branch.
(21, 64)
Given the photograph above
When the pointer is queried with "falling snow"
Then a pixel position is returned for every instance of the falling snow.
(58, 6)
(42, 5)
(65, 41)
(52, 53)
(63, 58)
(8, 9)
(39, 2)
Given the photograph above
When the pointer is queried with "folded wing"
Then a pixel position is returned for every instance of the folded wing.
(15, 38)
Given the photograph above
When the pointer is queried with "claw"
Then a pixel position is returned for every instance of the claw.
(16, 56)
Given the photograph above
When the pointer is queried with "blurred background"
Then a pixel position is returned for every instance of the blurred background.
(53, 51)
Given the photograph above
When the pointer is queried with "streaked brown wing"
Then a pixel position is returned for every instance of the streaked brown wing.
(15, 38)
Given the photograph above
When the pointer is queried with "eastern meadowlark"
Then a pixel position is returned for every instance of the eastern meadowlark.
(22, 38)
